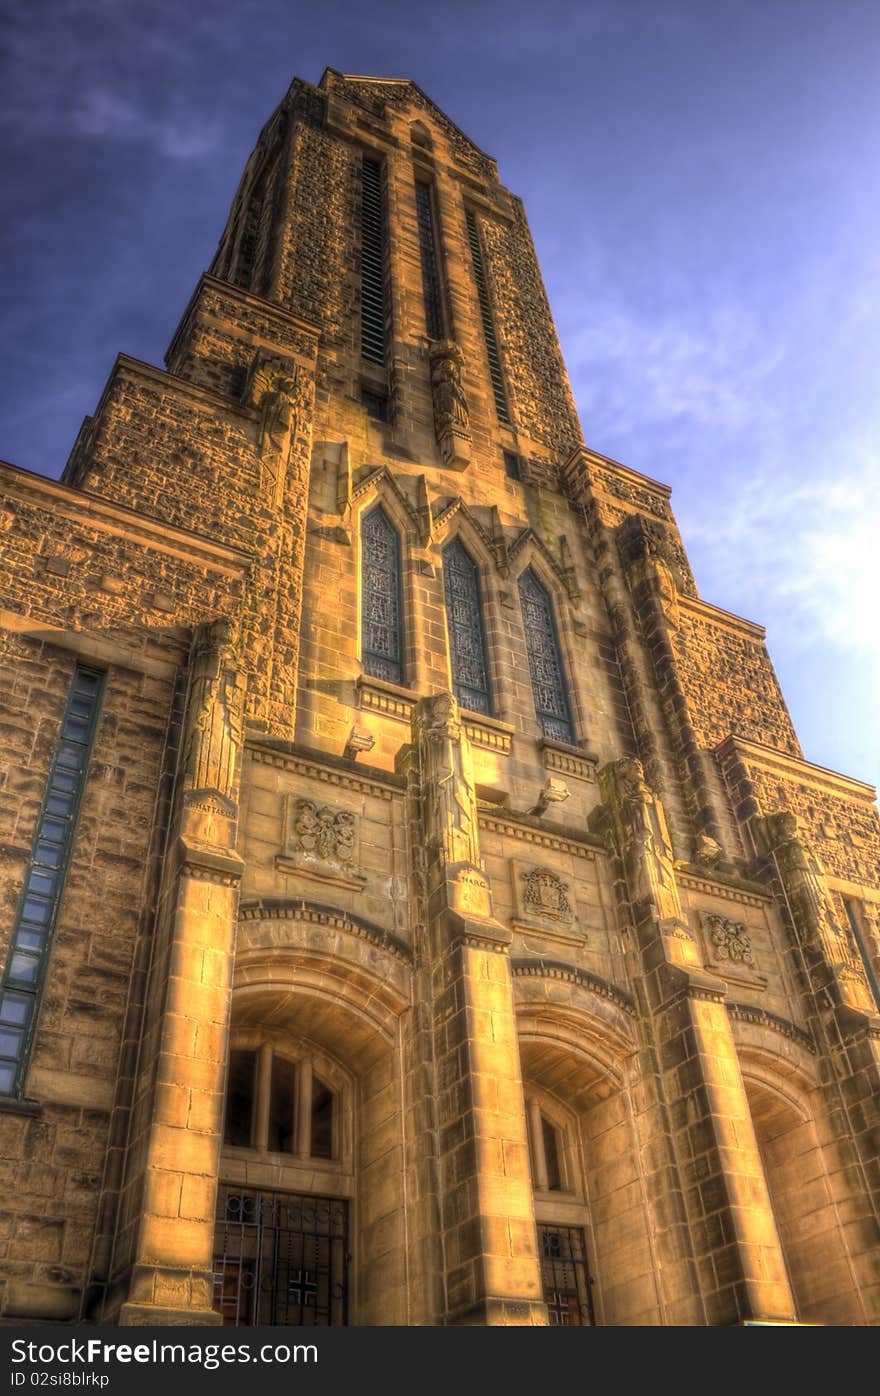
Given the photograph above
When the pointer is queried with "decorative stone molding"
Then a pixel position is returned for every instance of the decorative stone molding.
(557, 969)
(487, 732)
(567, 760)
(713, 888)
(282, 909)
(748, 1013)
(389, 699)
(270, 755)
(538, 838)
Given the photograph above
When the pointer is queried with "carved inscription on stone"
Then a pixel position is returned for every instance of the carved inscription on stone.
(729, 940)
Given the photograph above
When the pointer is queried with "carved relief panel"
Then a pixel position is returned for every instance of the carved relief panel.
(320, 841)
(544, 900)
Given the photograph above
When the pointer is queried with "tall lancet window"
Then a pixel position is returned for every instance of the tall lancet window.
(495, 374)
(372, 263)
(381, 604)
(432, 285)
(464, 621)
(545, 660)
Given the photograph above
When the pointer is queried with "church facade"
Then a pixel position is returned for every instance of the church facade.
(416, 905)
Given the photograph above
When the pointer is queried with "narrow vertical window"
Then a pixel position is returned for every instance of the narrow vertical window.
(432, 286)
(545, 660)
(372, 264)
(464, 621)
(240, 1092)
(495, 373)
(381, 609)
(44, 879)
(853, 909)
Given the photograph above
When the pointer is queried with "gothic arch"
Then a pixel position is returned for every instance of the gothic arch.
(472, 541)
(530, 555)
(380, 491)
(343, 1005)
(574, 1060)
(805, 1184)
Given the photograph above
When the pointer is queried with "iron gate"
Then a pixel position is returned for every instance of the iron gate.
(564, 1276)
(280, 1258)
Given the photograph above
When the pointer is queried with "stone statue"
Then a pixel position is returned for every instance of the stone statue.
(450, 404)
(451, 413)
(641, 836)
(812, 907)
(214, 715)
(448, 800)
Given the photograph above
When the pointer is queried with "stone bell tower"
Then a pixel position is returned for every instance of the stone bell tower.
(417, 907)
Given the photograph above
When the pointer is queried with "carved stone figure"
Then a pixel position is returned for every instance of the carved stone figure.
(641, 836)
(449, 802)
(213, 726)
(451, 412)
(450, 404)
(272, 389)
(812, 906)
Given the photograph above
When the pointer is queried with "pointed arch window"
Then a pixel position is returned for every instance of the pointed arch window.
(381, 600)
(464, 622)
(545, 660)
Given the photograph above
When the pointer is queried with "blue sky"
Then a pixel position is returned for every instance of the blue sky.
(703, 186)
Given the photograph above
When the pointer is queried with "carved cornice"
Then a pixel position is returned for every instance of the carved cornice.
(584, 463)
(749, 1013)
(794, 768)
(690, 605)
(312, 913)
(272, 310)
(487, 732)
(568, 760)
(270, 753)
(205, 863)
(729, 891)
(105, 515)
(389, 699)
(561, 969)
(539, 838)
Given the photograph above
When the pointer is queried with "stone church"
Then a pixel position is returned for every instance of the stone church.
(416, 905)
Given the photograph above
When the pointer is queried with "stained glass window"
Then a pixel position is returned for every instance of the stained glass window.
(44, 878)
(545, 661)
(382, 621)
(464, 620)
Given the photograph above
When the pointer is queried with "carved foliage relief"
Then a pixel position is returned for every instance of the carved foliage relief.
(730, 942)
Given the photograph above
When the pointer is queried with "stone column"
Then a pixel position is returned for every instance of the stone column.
(486, 1214)
(721, 1185)
(844, 1021)
(171, 1278)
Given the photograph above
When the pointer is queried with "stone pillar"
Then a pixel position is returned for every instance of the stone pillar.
(171, 1279)
(486, 1214)
(843, 1018)
(733, 1236)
